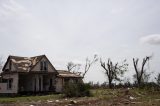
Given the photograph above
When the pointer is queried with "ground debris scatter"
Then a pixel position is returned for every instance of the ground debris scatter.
(101, 97)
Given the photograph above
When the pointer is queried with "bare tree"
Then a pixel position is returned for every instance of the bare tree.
(158, 79)
(1, 63)
(145, 77)
(140, 72)
(71, 66)
(113, 70)
(89, 63)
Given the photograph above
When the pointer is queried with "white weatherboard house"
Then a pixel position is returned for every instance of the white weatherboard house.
(33, 74)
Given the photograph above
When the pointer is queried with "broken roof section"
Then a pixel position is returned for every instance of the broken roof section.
(23, 64)
(67, 74)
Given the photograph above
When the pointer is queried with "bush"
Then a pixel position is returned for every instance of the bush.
(151, 86)
(77, 90)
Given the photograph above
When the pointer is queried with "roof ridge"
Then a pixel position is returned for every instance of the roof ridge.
(38, 56)
(26, 56)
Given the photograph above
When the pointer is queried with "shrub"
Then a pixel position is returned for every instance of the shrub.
(77, 90)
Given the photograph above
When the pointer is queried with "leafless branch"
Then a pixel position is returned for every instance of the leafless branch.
(89, 63)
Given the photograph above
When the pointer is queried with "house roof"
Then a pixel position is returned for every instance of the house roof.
(67, 74)
(23, 64)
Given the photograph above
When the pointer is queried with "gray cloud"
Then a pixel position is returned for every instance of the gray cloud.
(151, 39)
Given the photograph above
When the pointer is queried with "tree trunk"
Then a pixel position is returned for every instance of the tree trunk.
(110, 84)
(139, 82)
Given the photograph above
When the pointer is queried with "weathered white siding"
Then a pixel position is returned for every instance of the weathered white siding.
(50, 68)
(14, 88)
(12, 67)
(37, 77)
(3, 88)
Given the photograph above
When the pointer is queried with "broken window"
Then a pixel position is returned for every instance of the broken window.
(9, 83)
(43, 65)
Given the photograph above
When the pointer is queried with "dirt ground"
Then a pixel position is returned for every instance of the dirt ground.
(119, 101)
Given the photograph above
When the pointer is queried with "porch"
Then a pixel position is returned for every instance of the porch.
(37, 82)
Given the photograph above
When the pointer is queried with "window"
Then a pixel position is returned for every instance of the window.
(9, 83)
(50, 82)
(43, 65)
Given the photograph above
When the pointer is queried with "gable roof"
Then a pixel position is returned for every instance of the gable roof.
(67, 74)
(24, 64)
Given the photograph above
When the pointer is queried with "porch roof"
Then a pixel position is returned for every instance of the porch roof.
(67, 74)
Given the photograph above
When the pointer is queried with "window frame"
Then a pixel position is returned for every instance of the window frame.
(43, 65)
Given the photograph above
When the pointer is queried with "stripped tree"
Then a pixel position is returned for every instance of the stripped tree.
(1, 63)
(114, 71)
(71, 66)
(158, 79)
(140, 72)
(89, 63)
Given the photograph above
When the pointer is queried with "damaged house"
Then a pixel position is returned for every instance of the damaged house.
(33, 74)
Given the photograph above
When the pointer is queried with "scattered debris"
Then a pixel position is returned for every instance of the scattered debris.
(157, 99)
(66, 99)
(132, 98)
(136, 102)
(73, 102)
(49, 101)
(57, 100)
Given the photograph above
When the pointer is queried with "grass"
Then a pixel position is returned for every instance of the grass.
(142, 96)
(145, 97)
(29, 98)
(104, 93)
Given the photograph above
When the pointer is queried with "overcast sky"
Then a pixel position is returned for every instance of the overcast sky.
(71, 30)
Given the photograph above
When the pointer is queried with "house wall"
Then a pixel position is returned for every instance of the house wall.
(7, 66)
(49, 77)
(12, 67)
(50, 68)
(59, 84)
(37, 77)
(14, 88)
(3, 87)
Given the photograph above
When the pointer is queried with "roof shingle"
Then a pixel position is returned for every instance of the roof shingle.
(24, 64)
